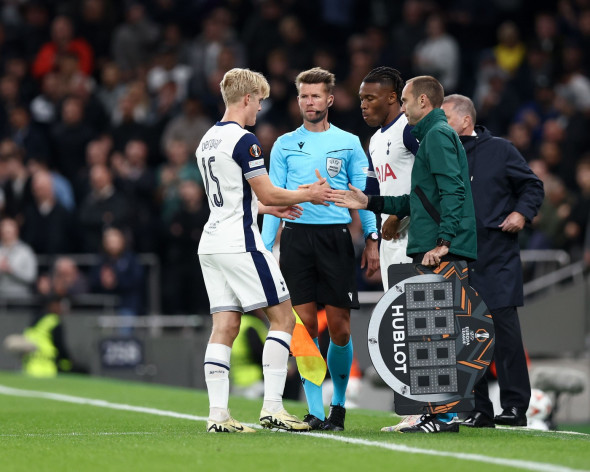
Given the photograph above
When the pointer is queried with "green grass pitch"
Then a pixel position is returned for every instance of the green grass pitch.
(77, 423)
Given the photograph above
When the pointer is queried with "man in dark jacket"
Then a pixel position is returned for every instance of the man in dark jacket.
(46, 212)
(442, 217)
(506, 194)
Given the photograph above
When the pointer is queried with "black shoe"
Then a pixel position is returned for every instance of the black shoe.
(336, 417)
(477, 419)
(430, 424)
(512, 416)
(318, 425)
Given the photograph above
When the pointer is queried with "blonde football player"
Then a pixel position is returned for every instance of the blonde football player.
(240, 274)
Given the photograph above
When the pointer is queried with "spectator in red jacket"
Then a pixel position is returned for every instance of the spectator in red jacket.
(62, 41)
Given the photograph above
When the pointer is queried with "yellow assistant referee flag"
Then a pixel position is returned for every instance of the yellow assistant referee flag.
(310, 362)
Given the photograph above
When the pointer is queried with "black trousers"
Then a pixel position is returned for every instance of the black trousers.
(511, 365)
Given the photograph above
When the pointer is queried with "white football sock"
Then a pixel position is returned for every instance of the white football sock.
(274, 366)
(216, 367)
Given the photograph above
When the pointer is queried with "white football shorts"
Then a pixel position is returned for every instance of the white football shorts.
(243, 281)
(393, 252)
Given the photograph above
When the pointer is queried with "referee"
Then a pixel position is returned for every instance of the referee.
(317, 254)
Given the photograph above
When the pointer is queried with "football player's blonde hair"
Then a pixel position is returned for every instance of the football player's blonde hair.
(237, 83)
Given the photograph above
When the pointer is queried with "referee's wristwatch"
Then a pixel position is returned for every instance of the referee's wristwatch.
(373, 237)
(443, 242)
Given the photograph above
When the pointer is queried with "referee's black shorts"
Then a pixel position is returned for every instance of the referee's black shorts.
(319, 265)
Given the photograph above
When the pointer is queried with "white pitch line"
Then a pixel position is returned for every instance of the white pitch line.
(526, 465)
(517, 463)
(74, 434)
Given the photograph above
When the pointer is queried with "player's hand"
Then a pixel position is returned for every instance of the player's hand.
(287, 212)
(513, 223)
(433, 257)
(318, 175)
(354, 198)
(319, 191)
(370, 257)
(390, 228)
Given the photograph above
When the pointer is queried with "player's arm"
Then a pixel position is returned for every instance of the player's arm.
(278, 176)
(358, 172)
(410, 142)
(317, 193)
(371, 183)
(271, 188)
(390, 227)
(358, 166)
(355, 199)
(289, 212)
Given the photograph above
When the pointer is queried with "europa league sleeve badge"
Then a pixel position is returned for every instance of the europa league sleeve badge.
(431, 338)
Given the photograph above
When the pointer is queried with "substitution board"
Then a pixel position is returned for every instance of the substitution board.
(431, 338)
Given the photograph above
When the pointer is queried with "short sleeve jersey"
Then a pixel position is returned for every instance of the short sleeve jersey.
(391, 155)
(227, 156)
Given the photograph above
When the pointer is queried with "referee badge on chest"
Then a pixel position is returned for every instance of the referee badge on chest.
(333, 166)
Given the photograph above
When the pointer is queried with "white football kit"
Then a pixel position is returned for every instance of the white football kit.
(391, 158)
(239, 273)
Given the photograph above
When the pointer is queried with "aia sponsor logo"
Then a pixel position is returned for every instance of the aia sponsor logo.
(384, 172)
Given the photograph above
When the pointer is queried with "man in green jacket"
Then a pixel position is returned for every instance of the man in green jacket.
(442, 217)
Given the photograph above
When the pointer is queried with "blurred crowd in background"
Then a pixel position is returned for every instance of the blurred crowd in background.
(103, 102)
